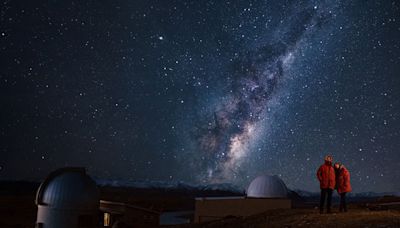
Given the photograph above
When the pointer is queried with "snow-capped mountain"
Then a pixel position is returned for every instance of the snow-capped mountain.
(168, 185)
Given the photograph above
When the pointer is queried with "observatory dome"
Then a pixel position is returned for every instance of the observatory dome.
(267, 186)
(69, 188)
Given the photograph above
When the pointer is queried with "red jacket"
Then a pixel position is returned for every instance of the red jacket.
(343, 180)
(326, 176)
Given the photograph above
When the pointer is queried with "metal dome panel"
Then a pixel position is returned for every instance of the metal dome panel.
(267, 187)
(69, 188)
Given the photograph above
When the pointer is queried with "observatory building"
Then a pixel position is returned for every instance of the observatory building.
(264, 193)
(68, 198)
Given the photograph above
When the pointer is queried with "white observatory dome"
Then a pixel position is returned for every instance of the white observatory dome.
(68, 198)
(267, 186)
(69, 188)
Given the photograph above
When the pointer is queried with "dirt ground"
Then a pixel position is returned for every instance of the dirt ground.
(356, 217)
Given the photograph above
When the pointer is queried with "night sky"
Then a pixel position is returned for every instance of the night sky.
(201, 91)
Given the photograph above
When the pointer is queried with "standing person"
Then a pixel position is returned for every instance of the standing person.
(342, 184)
(326, 177)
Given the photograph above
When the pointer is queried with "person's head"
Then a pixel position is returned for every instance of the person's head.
(328, 158)
(337, 165)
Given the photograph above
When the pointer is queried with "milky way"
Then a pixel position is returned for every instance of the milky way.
(255, 77)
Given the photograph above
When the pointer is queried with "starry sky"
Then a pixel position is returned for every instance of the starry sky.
(201, 91)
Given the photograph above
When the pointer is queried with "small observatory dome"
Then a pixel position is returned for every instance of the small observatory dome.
(68, 198)
(267, 186)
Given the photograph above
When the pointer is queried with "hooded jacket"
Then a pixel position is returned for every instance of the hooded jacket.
(343, 180)
(326, 175)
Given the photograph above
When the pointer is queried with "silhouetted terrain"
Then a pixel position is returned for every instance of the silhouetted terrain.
(18, 210)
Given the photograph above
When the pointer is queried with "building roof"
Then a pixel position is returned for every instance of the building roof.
(69, 188)
(267, 186)
(220, 198)
(119, 207)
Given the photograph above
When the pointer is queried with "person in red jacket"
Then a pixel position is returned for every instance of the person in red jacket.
(326, 177)
(342, 184)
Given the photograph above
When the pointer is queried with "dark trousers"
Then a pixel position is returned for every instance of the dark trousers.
(325, 193)
(343, 206)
